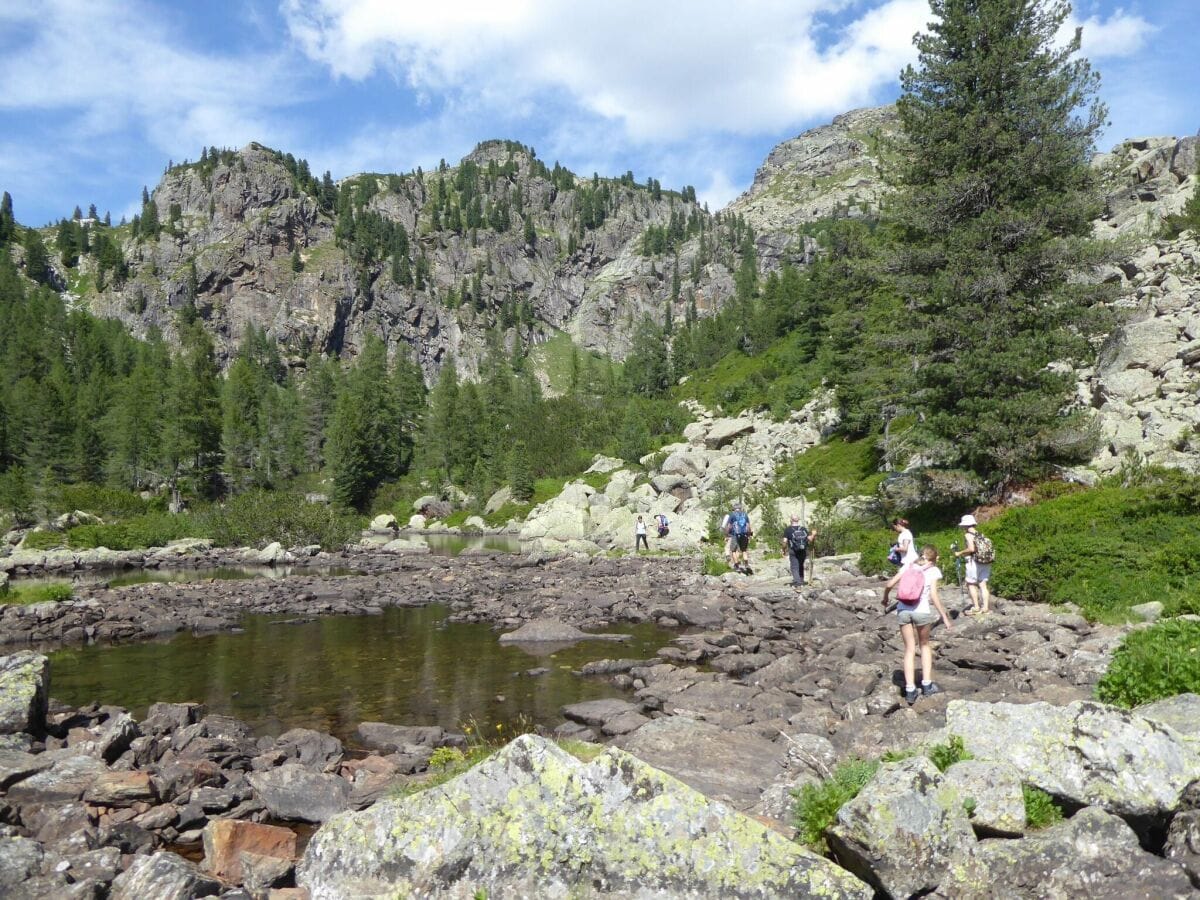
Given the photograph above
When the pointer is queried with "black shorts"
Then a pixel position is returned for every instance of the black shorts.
(743, 541)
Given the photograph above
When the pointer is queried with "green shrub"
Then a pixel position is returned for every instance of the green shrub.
(1040, 809)
(260, 516)
(108, 503)
(40, 593)
(945, 755)
(1156, 662)
(817, 804)
(43, 540)
(714, 565)
(149, 530)
(832, 470)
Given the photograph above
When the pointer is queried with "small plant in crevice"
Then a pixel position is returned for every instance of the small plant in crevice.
(817, 805)
(945, 755)
(1040, 809)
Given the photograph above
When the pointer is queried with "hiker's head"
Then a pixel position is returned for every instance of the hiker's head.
(737, 507)
(929, 553)
(795, 520)
(968, 521)
(900, 524)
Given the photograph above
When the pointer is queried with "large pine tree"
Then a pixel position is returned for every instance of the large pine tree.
(992, 215)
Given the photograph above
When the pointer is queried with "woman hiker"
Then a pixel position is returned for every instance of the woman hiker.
(917, 597)
(639, 540)
(978, 573)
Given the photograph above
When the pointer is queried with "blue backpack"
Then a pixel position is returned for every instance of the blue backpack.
(739, 523)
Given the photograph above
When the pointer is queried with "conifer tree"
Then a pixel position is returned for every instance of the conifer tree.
(520, 478)
(993, 213)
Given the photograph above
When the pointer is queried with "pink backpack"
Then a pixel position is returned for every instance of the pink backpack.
(911, 585)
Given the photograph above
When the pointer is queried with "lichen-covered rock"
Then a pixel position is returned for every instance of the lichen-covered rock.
(903, 829)
(992, 795)
(162, 876)
(1181, 712)
(533, 821)
(24, 692)
(1088, 753)
(1093, 854)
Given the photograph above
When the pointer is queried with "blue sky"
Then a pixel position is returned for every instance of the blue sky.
(97, 95)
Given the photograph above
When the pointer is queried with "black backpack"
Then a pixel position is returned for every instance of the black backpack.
(798, 542)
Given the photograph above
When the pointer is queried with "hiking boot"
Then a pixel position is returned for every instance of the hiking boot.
(931, 688)
(910, 696)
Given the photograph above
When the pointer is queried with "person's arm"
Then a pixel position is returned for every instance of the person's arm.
(902, 544)
(937, 602)
(969, 550)
(887, 588)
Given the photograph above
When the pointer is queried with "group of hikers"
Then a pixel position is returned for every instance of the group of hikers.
(661, 523)
(918, 604)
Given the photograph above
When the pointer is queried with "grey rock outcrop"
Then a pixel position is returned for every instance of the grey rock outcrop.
(1093, 854)
(24, 686)
(1087, 753)
(293, 792)
(532, 820)
(903, 830)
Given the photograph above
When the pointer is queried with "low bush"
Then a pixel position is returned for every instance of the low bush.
(1156, 662)
(147, 530)
(714, 565)
(40, 593)
(43, 540)
(105, 502)
(1040, 809)
(256, 517)
(817, 804)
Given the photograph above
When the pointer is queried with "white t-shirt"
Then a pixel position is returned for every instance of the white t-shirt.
(641, 527)
(933, 575)
(910, 555)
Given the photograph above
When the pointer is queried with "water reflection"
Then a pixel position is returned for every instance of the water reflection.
(406, 666)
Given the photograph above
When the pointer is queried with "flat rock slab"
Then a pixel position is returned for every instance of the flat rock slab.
(16, 765)
(295, 794)
(24, 692)
(121, 789)
(532, 821)
(597, 712)
(553, 631)
(719, 763)
(67, 779)
(389, 738)
(1092, 854)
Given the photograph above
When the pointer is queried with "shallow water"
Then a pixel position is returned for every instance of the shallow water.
(407, 666)
(125, 577)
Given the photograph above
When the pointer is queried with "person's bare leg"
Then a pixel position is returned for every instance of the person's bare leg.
(926, 655)
(987, 596)
(908, 632)
(973, 590)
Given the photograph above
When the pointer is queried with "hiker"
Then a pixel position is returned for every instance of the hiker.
(727, 536)
(639, 540)
(916, 591)
(664, 525)
(740, 531)
(979, 554)
(904, 551)
(796, 539)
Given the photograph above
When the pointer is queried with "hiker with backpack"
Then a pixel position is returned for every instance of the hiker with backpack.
(664, 525)
(796, 539)
(917, 597)
(739, 531)
(980, 555)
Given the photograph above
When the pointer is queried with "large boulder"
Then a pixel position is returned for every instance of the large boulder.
(225, 840)
(295, 794)
(1092, 854)
(1088, 753)
(992, 795)
(723, 432)
(534, 821)
(24, 692)
(539, 630)
(903, 830)
(498, 500)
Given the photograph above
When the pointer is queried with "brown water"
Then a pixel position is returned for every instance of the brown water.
(407, 666)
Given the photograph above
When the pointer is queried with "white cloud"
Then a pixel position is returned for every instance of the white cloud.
(663, 70)
(114, 67)
(1121, 34)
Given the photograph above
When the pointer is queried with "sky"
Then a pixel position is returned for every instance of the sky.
(97, 96)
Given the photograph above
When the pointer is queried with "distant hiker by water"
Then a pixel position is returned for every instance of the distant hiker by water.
(639, 540)
(916, 599)
(904, 551)
(740, 531)
(796, 539)
(979, 554)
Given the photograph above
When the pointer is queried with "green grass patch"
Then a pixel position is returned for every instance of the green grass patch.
(1040, 809)
(780, 380)
(555, 358)
(41, 593)
(832, 470)
(817, 805)
(43, 540)
(1156, 662)
(714, 565)
(506, 513)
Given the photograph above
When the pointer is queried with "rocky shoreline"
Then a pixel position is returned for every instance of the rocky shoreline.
(764, 692)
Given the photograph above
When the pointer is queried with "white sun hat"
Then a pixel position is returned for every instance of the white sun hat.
(967, 521)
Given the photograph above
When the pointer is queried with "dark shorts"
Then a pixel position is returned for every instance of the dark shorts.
(743, 541)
